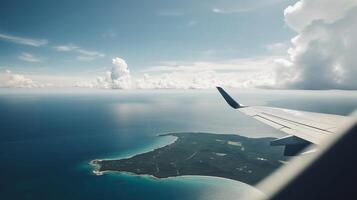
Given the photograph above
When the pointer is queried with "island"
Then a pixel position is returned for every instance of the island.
(248, 160)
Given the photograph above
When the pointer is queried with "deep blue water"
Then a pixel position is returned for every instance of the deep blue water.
(48, 137)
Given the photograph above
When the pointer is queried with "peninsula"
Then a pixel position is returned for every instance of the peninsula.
(248, 160)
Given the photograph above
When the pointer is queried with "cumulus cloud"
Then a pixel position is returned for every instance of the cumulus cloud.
(117, 78)
(304, 12)
(120, 74)
(20, 81)
(322, 55)
(28, 57)
(22, 40)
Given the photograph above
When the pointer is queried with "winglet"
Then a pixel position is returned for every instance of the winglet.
(228, 98)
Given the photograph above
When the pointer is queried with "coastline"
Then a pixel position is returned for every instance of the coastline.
(130, 154)
(176, 178)
(152, 177)
(141, 164)
(219, 186)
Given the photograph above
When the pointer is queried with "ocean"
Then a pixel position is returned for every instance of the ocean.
(49, 136)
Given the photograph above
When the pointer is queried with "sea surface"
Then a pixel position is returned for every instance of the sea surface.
(47, 138)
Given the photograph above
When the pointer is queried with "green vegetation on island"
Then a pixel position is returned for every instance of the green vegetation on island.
(248, 160)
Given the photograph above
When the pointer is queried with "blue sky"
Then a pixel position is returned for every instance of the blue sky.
(190, 44)
(144, 33)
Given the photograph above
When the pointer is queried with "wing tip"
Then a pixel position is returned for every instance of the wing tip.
(228, 98)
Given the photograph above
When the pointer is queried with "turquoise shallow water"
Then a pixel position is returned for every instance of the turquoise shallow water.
(48, 137)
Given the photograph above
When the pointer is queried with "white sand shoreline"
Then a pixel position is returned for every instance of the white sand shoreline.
(96, 166)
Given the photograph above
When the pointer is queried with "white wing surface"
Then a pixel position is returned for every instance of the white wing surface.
(308, 126)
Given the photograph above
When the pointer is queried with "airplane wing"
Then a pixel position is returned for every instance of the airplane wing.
(303, 127)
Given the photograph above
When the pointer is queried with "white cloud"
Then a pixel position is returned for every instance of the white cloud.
(28, 57)
(241, 73)
(248, 6)
(83, 54)
(254, 64)
(117, 78)
(69, 47)
(174, 80)
(204, 80)
(322, 55)
(120, 74)
(277, 48)
(23, 41)
(19, 81)
(304, 12)
(217, 10)
(89, 53)
(230, 11)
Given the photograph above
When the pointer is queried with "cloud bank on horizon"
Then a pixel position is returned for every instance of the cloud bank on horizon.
(14, 80)
(320, 56)
(197, 75)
